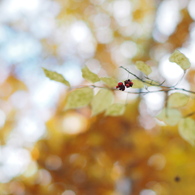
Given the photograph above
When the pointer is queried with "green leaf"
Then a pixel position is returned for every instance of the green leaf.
(109, 81)
(187, 130)
(79, 98)
(176, 100)
(115, 110)
(143, 67)
(56, 76)
(180, 59)
(152, 83)
(101, 101)
(170, 116)
(137, 84)
(88, 75)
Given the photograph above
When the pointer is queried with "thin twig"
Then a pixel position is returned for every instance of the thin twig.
(159, 85)
(180, 79)
(162, 83)
(131, 92)
(154, 81)
(181, 89)
(190, 114)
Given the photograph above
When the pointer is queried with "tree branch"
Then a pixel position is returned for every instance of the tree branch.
(166, 88)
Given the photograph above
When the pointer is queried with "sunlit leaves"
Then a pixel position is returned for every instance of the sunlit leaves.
(143, 67)
(115, 110)
(187, 130)
(177, 100)
(101, 101)
(109, 81)
(180, 59)
(137, 84)
(89, 76)
(79, 98)
(55, 76)
(170, 116)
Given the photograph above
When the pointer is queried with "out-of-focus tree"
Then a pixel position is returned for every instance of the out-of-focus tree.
(78, 154)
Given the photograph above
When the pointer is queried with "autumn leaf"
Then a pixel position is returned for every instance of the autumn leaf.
(109, 81)
(101, 101)
(187, 130)
(115, 109)
(180, 59)
(176, 100)
(170, 116)
(79, 98)
(137, 84)
(90, 76)
(55, 76)
(143, 67)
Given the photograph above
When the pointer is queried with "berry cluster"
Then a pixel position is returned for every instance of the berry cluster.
(127, 83)
(121, 86)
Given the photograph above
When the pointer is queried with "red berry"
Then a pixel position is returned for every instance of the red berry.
(120, 84)
(122, 87)
(127, 85)
(131, 84)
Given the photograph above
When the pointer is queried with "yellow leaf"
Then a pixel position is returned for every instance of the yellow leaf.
(143, 67)
(88, 75)
(55, 76)
(137, 84)
(101, 101)
(187, 130)
(115, 110)
(180, 59)
(177, 100)
(79, 98)
(109, 81)
(170, 116)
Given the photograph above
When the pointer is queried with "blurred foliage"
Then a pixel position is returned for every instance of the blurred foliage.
(104, 155)
(109, 150)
